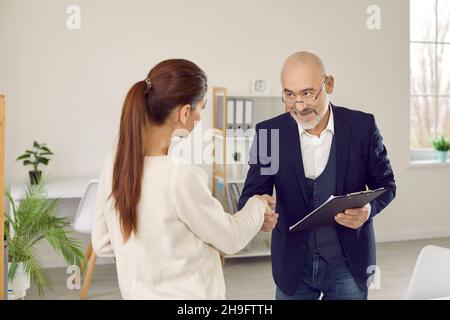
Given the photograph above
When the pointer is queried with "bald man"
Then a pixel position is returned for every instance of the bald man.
(322, 150)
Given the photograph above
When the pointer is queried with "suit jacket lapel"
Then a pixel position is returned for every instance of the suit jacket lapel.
(342, 137)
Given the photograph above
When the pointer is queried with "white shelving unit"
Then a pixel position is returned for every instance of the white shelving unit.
(252, 95)
(258, 247)
(237, 181)
(224, 169)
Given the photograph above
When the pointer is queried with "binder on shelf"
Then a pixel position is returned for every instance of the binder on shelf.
(219, 184)
(230, 114)
(248, 118)
(239, 110)
(232, 197)
(220, 112)
(230, 201)
(235, 195)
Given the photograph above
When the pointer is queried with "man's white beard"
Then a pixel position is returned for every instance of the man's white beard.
(309, 125)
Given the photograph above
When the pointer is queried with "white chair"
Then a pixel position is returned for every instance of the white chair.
(431, 275)
(83, 223)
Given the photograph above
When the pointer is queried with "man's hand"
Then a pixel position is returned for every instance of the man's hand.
(353, 218)
(270, 221)
(270, 201)
(270, 217)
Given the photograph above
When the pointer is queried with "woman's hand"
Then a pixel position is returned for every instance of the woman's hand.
(269, 200)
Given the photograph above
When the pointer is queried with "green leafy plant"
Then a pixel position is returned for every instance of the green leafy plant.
(33, 220)
(441, 144)
(39, 155)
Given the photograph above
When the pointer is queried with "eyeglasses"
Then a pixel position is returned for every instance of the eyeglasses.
(290, 99)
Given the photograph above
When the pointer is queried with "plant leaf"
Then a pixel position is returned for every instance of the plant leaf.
(24, 156)
(47, 149)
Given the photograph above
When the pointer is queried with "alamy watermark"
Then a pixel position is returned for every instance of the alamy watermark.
(241, 147)
(73, 281)
(373, 21)
(73, 21)
(374, 280)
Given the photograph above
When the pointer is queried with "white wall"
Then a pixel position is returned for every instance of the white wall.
(66, 87)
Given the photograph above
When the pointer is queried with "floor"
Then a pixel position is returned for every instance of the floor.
(251, 278)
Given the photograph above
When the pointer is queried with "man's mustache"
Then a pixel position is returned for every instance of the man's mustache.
(305, 111)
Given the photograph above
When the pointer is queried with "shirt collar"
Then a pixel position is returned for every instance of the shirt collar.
(330, 125)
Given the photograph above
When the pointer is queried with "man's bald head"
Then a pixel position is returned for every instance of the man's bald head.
(303, 75)
(303, 60)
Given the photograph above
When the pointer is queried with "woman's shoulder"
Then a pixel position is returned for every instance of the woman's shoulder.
(188, 172)
(185, 169)
(107, 166)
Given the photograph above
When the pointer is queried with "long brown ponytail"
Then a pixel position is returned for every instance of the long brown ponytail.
(169, 84)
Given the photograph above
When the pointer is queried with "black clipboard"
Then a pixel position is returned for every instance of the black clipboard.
(324, 215)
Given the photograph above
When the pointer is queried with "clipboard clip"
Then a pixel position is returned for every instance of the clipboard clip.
(367, 192)
(357, 193)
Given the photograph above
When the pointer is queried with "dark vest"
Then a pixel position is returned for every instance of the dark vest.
(324, 240)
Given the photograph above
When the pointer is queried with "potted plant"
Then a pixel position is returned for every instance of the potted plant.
(32, 220)
(441, 145)
(39, 155)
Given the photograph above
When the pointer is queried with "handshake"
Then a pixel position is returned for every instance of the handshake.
(270, 217)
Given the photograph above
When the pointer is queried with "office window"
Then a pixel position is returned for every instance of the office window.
(430, 71)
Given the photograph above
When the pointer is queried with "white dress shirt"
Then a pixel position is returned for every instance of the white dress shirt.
(316, 150)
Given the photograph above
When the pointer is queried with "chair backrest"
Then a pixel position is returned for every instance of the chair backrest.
(83, 218)
(431, 275)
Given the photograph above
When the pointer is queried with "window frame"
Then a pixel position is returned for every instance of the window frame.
(421, 154)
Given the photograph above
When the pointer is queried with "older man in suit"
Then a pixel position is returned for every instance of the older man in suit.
(319, 150)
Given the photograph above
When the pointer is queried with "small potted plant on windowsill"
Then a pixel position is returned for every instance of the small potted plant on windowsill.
(442, 146)
(39, 155)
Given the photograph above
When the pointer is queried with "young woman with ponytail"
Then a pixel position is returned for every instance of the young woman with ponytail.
(154, 213)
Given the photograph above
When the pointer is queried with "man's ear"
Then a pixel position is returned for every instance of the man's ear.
(185, 112)
(329, 85)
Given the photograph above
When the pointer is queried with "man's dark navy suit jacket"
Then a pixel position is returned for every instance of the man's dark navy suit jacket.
(361, 162)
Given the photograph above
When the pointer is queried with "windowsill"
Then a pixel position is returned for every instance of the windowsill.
(426, 158)
(428, 164)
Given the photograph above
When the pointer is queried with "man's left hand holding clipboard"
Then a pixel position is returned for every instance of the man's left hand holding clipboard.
(353, 218)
